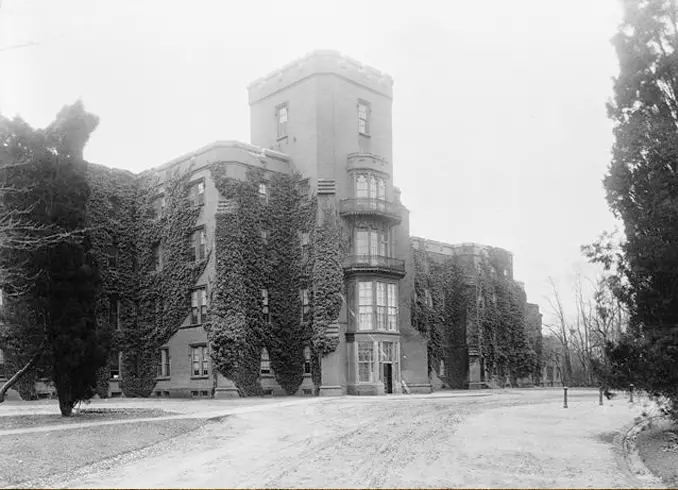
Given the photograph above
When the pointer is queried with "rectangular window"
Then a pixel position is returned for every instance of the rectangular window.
(386, 351)
(114, 312)
(263, 192)
(381, 306)
(264, 236)
(383, 244)
(265, 365)
(159, 206)
(197, 193)
(264, 305)
(363, 118)
(164, 366)
(365, 305)
(305, 245)
(281, 117)
(200, 361)
(365, 362)
(305, 304)
(392, 324)
(198, 306)
(361, 189)
(114, 364)
(307, 360)
(157, 257)
(3, 373)
(362, 242)
(199, 244)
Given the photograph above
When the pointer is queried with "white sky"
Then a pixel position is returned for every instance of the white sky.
(500, 129)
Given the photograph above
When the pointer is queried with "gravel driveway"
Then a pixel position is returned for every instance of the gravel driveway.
(517, 439)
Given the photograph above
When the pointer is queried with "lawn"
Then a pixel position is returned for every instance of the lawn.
(26, 457)
(8, 422)
(658, 447)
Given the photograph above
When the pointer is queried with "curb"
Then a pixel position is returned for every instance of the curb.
(628, 459)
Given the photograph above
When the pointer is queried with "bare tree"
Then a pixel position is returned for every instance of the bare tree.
(560, 330)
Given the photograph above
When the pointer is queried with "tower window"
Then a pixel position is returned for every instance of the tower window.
(363, 118)
(281, 117)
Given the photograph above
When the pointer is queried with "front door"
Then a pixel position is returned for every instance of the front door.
(388, 377)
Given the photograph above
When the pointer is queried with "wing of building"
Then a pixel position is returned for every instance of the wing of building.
(328, 118)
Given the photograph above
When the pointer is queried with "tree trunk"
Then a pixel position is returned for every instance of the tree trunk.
(13, 380)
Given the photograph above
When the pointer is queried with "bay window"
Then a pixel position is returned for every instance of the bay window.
(377, 306)
(370, 186)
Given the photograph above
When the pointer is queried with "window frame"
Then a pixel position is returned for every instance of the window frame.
(197, 191)
(158, 204)
(263, 195)
(114, 311)
(265, 305)
(198, 305)
(364, 111)
(305, 303)
(165, 365)
(202, 361)
(265, 360)
(281, 126)
(382, 313)
(199, 243)
(118, 363)
(307, 361)
(365, 362)
(156, 251)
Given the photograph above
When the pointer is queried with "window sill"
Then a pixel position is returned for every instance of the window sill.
(200, 377)
(281, 138)
(162, 378)
(307, 375)
(114, 379)
(364, 134)
(386, 332)
(268, 376)
(193, 325)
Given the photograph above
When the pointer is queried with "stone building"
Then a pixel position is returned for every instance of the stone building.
(329, 118)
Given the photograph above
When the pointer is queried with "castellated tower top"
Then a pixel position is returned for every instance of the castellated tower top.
(321, 63)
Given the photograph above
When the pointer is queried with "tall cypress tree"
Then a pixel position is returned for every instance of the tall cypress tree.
(642, 191)
(49, 270)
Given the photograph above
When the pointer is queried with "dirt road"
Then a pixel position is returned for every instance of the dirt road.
(521, 439)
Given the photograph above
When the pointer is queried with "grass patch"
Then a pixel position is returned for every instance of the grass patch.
(658, 448)
(9, 422)
(26, 457)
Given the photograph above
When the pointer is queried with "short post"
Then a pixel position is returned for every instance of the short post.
(631, 393)
(600, 396)
(564, 396)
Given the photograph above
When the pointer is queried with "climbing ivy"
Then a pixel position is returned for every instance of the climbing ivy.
(153, 304)
(327, 281)
(248, 263)
(459, 307)
(111, 221)
(162, 300)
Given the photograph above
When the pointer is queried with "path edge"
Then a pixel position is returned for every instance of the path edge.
(628, 458)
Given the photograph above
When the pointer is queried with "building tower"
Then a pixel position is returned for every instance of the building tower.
(332, 116)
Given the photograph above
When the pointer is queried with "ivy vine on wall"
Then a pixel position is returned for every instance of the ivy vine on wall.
(461, 307)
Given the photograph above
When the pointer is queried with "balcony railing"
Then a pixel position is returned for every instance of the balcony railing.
(380, 207)
(374, 263)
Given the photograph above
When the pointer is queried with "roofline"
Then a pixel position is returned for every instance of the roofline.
(456, 245)
(223, 144)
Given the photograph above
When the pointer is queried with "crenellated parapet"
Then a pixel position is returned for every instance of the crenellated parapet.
(321, 63)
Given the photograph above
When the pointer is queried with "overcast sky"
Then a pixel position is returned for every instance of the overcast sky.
(500, 130)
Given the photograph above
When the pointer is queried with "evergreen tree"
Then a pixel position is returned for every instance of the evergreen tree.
(642, 191)
(47, 265)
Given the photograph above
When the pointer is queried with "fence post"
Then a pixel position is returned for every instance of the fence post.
(600, 396)
(631, 393)
(564, 396)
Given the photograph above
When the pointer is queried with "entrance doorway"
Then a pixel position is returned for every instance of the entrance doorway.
(388, 377)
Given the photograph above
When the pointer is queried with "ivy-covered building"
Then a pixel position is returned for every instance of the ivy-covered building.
(285, 266)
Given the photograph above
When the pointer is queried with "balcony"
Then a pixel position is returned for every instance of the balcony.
(367, 206)
(374, 263)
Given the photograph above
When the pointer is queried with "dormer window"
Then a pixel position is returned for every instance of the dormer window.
(281, 116)
(363, 118)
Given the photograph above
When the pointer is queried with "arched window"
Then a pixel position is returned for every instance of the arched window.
(307, 360)
(265, 362)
